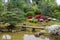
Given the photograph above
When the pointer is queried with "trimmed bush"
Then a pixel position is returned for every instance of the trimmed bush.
(29, 14)
(40, 20)
(29, 17)
(43, 17)
(47, 20)
(37, 16)
(35, 20)
(37, 11)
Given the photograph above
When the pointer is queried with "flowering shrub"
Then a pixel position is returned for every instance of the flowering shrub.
(40, 20)
(54, 29)
(29, 17)
(37, 16)
(46, 20)
(43, 17)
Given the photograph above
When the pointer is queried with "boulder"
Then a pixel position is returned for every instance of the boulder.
(54, 29)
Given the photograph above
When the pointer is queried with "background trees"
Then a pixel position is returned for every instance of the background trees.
(13, 14)
(16, 9)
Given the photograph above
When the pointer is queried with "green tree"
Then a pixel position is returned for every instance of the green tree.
(56, 14)
(13, 14)
(1, 7)
(47, 6)
(13, 17)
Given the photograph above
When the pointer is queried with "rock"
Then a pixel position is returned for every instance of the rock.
(7, 24)
(37, 34)
(32, 37)
(42, 31)
(49, 19)
(54, 19)
(54, 29)
(26, 37)
(13, 31)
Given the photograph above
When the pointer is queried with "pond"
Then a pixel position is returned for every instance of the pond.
(32, 37)
(29, 36)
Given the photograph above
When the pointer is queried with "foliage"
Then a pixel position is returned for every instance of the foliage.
(30, 13)
(9, 6)
(56, 14)
(30, 17)
(1, 7)
(37, 16)
(27, 8)
(13, 17)
(16, 4)
(35, 8)
(37, 11)
(35, 20)
(19, 8)
(47, 7)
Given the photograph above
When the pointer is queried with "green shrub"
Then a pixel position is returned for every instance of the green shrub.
(37, 11)
(56, 14)
(29, 14)
(13, 17)
(34, 20)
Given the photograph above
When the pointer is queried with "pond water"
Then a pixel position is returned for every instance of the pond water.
(32, 37)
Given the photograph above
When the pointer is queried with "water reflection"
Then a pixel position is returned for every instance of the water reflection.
(32, 37)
